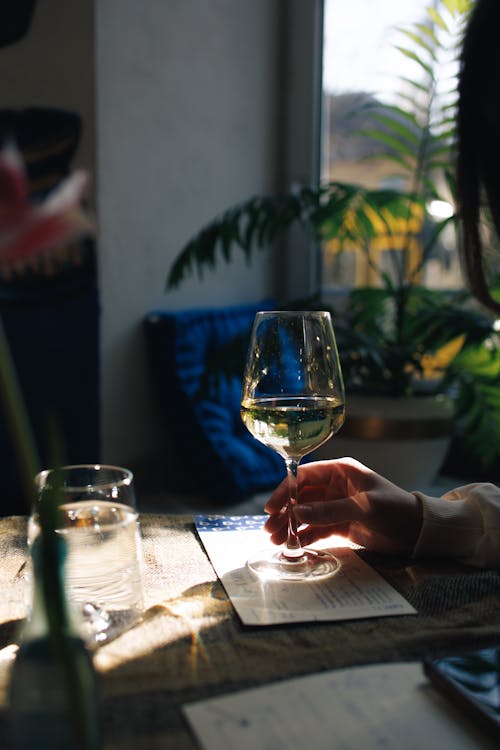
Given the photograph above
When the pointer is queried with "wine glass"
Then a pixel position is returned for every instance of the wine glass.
(293, 401)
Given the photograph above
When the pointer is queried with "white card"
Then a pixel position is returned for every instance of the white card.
(357, 591)
(388, 707)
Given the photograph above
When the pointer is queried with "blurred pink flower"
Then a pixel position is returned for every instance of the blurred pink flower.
(28, 228)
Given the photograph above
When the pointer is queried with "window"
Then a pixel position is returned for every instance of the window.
(362, 68)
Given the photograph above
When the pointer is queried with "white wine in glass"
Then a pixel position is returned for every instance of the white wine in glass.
(293, 401)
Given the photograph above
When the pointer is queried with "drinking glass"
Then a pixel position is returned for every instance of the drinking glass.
(293, 401)
(103, 567)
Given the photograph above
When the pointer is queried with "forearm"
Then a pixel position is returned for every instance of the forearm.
(463, 524)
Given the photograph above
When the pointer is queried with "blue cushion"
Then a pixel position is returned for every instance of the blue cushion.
(204, 421)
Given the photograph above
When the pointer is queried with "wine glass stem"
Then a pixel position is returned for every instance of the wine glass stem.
(293, 547)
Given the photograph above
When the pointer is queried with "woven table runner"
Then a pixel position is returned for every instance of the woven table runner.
(191, 645)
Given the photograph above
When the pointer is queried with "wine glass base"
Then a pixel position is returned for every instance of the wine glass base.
(312, 565)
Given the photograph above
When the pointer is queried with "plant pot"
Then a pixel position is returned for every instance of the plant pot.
(404, 439)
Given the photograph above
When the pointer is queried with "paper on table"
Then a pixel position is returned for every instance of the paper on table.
(388, 707)
(357, 591)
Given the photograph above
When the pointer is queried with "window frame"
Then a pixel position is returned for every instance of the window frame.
(298, 272)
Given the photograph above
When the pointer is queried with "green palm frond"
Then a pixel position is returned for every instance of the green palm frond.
(403, 133)
(416, 85)
(437, 18)
(478, 403)
(391, 141)
(428, 42)
(254, 223)
(427, 32)
(411, 55)
(334, 210)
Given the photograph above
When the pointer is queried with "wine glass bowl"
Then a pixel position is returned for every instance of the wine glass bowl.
(293, 401)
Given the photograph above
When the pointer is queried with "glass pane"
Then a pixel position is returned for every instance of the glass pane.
(362, 68)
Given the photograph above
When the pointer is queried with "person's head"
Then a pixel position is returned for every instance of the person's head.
(478, 146)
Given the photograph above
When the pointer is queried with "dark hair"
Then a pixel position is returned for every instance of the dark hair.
(478, 132)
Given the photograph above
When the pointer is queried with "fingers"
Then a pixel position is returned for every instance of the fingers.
(311, 477)
(276, 521)
(321, 518)
(320, 478)
(277, 524)
(310, 534)
(325, 503)
(332, 472)
(278, 499)
(341, 510)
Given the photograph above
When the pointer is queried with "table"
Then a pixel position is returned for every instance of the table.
(191, 645)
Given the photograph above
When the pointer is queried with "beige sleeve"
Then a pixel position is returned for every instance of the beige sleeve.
(464, 524)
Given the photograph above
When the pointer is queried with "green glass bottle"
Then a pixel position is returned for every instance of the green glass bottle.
(53, 691)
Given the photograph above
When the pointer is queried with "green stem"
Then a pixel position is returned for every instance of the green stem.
(66, 650)
(17, 419)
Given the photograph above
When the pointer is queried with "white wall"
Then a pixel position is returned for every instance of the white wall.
(180, 103)
(186, 120)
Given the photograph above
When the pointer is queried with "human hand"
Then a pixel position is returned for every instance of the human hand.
(344, 497)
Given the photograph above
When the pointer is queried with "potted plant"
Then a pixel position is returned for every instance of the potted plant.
(421, 348)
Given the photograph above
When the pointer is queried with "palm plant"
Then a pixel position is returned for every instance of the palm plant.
(395, 337)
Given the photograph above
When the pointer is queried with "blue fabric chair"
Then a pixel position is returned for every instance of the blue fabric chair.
(203, 416)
